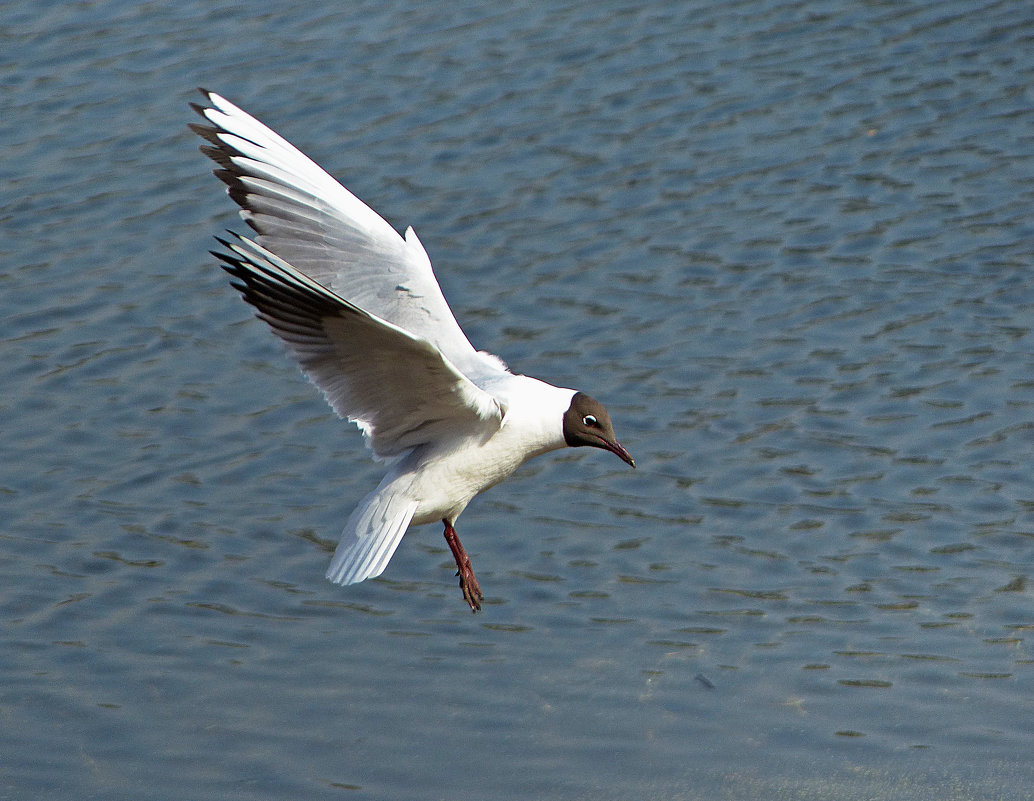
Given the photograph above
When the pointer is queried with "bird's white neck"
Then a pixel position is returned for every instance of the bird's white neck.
(534, 415)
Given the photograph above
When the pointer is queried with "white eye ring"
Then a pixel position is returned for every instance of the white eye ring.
(589, 420)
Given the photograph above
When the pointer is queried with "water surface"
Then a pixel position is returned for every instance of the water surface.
(788, 245)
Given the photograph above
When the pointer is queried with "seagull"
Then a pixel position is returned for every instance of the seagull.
(360, 309)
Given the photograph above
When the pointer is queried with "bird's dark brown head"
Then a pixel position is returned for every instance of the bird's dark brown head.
(586, 422)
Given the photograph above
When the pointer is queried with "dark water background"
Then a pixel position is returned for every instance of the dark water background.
(789, 244)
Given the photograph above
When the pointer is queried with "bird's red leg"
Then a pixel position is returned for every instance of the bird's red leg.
(468, 583)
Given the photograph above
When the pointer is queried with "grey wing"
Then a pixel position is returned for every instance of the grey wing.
(400, 389)
(312, 222)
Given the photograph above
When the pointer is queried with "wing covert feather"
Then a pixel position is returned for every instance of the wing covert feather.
(400, 389)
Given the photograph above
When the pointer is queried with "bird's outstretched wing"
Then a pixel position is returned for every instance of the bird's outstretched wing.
(401, 389)
(325, 232)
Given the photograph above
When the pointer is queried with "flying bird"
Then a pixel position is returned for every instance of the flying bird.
(360, 309)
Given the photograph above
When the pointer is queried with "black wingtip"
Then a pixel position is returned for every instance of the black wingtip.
(226, 243)
(201, 109)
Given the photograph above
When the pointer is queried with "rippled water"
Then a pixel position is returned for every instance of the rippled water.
(788, 244)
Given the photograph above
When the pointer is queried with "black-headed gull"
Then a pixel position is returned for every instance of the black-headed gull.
(361, 310)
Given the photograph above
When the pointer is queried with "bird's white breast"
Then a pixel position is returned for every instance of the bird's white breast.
(445, 477)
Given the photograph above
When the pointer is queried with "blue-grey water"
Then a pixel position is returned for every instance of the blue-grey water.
(789, 244)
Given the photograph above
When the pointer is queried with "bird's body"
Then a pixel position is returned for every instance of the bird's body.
(447, 475)
(361, 310)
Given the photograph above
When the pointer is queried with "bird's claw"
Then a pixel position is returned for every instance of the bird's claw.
(471, 589)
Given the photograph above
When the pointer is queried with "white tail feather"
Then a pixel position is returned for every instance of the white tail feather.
(372, 533)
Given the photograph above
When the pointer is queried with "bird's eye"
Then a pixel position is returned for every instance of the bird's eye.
(590, 421)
